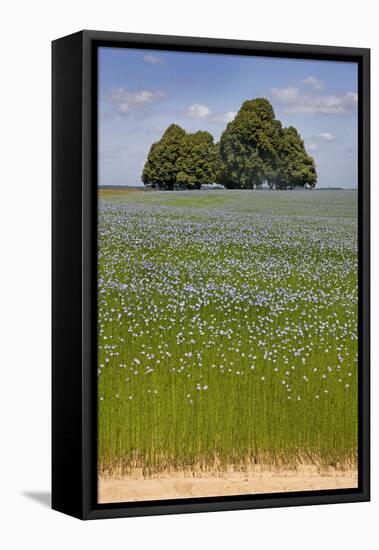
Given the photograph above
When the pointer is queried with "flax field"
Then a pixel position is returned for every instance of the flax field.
(227, 329)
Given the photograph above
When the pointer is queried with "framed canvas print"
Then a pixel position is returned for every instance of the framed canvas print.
(210, 274)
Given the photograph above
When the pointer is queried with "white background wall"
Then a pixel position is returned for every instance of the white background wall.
(27, 28)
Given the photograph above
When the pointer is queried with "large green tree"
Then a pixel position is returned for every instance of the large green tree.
(161, 167)
(181, 160)
(249, 146)
(295, 168)
(197, 161)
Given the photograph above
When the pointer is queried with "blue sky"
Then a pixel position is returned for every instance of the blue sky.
(141, 92)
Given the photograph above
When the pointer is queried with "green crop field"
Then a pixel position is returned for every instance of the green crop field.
(227, 329)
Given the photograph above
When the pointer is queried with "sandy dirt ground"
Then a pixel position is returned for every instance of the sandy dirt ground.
(181, 485)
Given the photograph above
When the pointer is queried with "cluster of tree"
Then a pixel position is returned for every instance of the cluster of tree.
(181, 160)
(254, 149)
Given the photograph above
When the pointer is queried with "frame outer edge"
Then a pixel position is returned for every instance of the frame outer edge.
(365, 396)
(89, 509)
(89, 239)
(67, 381)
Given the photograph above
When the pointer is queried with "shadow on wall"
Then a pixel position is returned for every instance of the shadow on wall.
(41, 497)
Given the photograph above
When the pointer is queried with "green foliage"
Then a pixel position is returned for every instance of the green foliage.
(197, 160)
(181, 160)
(296, 168)
(161, 167)
(254, 149)
(249, 146)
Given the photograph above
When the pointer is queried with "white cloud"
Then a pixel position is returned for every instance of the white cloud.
(226, 117)
(197, 110)
(326, 136)
(296, 103)
(311, 147)
(126, 102)
(314, 83)
(287, 96)
(201, 111)
(154, 60)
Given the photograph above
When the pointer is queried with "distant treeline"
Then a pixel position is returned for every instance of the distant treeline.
(254, 149)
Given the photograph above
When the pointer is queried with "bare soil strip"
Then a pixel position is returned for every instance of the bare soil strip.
(181, 485)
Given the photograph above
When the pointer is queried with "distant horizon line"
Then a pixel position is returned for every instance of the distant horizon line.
(330, 187)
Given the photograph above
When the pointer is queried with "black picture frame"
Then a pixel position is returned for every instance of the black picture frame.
(74, 205)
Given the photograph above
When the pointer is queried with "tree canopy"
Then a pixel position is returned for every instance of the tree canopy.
(197, 162)
(161, 166)
(296, 168)
(181, 160)
(249, 146)
(254, 149)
